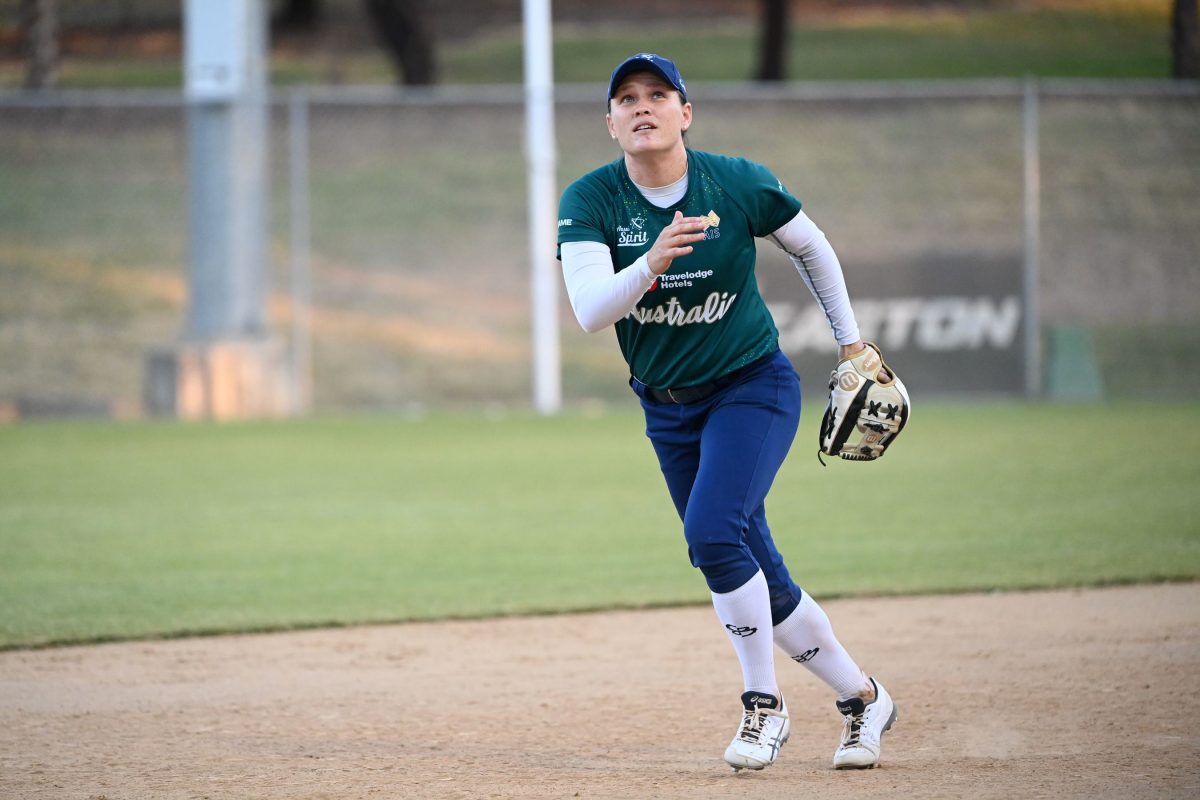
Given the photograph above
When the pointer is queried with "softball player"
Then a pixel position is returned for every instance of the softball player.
(660, 243)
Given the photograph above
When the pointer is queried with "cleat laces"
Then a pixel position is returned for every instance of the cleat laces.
(855, 712)
(753, 722)
(752, 725)
(853, 728)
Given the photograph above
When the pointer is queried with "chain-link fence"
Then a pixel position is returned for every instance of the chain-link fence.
(419, 254)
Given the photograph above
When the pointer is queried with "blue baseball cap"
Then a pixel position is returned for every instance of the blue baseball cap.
(648, 62)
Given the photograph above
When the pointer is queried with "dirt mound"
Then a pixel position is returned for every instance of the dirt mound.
(1041, 694)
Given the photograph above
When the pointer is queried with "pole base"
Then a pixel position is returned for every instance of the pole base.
(221, 380)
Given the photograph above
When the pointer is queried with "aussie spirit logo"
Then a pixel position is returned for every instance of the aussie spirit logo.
(712, 310)
(634, 234)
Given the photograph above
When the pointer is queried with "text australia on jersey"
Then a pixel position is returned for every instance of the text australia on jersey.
(715, 306)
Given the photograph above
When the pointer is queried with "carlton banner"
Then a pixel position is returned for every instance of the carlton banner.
(949, 326)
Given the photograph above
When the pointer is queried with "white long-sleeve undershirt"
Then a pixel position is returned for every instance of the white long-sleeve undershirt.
(601, 297)
(819, 268)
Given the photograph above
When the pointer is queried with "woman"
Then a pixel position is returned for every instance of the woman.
(660, 243)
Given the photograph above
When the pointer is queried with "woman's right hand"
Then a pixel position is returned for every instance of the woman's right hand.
(674, 241)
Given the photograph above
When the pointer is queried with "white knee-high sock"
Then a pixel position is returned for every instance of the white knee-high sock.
(807, 637)
(746, 614)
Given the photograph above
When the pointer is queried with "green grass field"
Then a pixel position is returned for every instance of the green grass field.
(131, 530)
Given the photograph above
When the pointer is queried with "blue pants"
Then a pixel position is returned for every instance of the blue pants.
(719, 457)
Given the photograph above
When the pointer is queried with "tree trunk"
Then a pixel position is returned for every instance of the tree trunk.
(39, 28)
(297, 15)
(772, 40)
(406, 34)
(1185, 40)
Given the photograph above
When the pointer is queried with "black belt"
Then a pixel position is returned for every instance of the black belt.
(694, 394)
(684, 394)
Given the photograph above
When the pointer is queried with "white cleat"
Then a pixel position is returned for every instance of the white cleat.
(765, 727)
(864, 728)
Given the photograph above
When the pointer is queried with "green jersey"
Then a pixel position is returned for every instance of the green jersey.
(703, 317)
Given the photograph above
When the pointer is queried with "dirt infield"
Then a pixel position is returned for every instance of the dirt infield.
(1025, 695)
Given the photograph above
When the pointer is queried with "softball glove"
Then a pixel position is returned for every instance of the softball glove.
(865, 397)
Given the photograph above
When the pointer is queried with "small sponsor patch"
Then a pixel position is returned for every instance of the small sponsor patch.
(744, 630)
(807, 655)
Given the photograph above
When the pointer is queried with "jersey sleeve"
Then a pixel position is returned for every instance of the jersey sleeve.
(769, 204)
(580, 215)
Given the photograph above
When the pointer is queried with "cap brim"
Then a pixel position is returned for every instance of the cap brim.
(638, 65)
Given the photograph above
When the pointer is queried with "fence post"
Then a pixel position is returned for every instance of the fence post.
(1031, 284)
(300, 249)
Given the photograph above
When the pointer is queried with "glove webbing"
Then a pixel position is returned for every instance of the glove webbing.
(903, 421)
(844, 430)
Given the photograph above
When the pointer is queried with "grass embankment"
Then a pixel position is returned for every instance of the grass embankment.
(1110, 38)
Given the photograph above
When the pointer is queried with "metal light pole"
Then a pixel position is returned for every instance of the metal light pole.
(540, 154)
(227, 365)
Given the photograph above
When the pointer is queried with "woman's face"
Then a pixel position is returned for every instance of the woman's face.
(646, 115)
